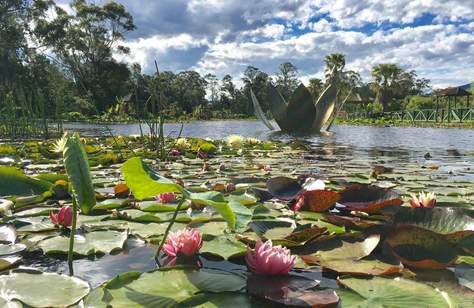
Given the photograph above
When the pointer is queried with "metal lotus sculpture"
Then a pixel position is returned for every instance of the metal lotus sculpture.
(302, 113)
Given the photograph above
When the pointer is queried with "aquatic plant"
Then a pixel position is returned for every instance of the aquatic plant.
(63, 218)
(267, 259)
(235, 141)
(166, 197)
(423, 200)
(187, 241)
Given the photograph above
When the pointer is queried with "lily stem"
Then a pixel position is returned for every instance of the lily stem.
(170, 225)
(71, 238)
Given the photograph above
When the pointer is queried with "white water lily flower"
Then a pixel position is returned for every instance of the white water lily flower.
(253, 141)
(235, 141)
(313, 184)
(182, 143)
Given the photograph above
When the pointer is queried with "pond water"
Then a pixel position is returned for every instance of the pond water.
(348, 155)
(358, 137)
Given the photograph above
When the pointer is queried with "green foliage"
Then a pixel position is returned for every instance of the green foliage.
(144, 182)
(375, 107)
(420, 102)
(77, 169)
(15, 182)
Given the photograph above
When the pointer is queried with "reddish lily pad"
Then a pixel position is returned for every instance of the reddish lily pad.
(421, 248)
(320, 200)
(290, 290)
(369, 198)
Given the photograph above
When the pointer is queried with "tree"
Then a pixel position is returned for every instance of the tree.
(83, 43)
(315, 87)
(392, 82)
(228, 92)
(257, 80)
(336, 61)
(287, 79)
(212, 85)
(386, 79)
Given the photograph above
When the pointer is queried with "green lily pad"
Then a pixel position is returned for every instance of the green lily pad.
(42, 289)
(15, 182)
(98, 242)
(396, 293)
(11, 249)
(144, 182)
(170, 287)
(8, 262)
(224, 246)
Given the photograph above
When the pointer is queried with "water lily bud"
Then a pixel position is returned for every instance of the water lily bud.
(63, 218)
(186, 241)
(267, 259)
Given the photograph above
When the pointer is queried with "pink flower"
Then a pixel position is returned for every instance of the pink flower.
(166, 197)
(298, 204)
(174, 152)
(267, 168)
(423, 200)
(64, 217)
(267, 259)
(186, 241)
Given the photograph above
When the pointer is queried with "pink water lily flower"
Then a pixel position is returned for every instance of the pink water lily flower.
(187, 241)
(166, 197)
(267, 259)
(63, 218)
(423, 200)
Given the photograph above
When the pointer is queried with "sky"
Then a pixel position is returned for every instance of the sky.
(433, 37)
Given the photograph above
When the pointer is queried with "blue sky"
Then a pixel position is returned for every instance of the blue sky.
(433, 37)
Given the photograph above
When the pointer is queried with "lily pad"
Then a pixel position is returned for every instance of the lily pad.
(144, 182)
(98, 242)
(170, 287)
(369, 198)
(421, 248)
(283, 188)
(224, 246)
(15, 182)
(396, 293)
(42, 289)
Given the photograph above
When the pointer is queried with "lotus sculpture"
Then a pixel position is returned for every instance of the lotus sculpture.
(302, 113)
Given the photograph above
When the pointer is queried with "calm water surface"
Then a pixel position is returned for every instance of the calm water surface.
(358, 137)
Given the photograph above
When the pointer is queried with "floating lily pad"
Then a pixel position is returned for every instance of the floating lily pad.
(167, 287)
(11, 249)
(283, 188)
(421, 248)
(98, 242)
(42, 289)
(224, 246)
(320, 200)
(383, 292)
(368, 198)
(15, 182)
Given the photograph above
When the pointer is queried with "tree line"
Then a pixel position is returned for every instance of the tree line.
(59, 64)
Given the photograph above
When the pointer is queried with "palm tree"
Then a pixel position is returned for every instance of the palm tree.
(336, 61)
(387, 80)
(315, 87)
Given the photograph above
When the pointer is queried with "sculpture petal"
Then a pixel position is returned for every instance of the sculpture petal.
(259, 112)
(278, 107)
(324, 107)
(301, 110)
